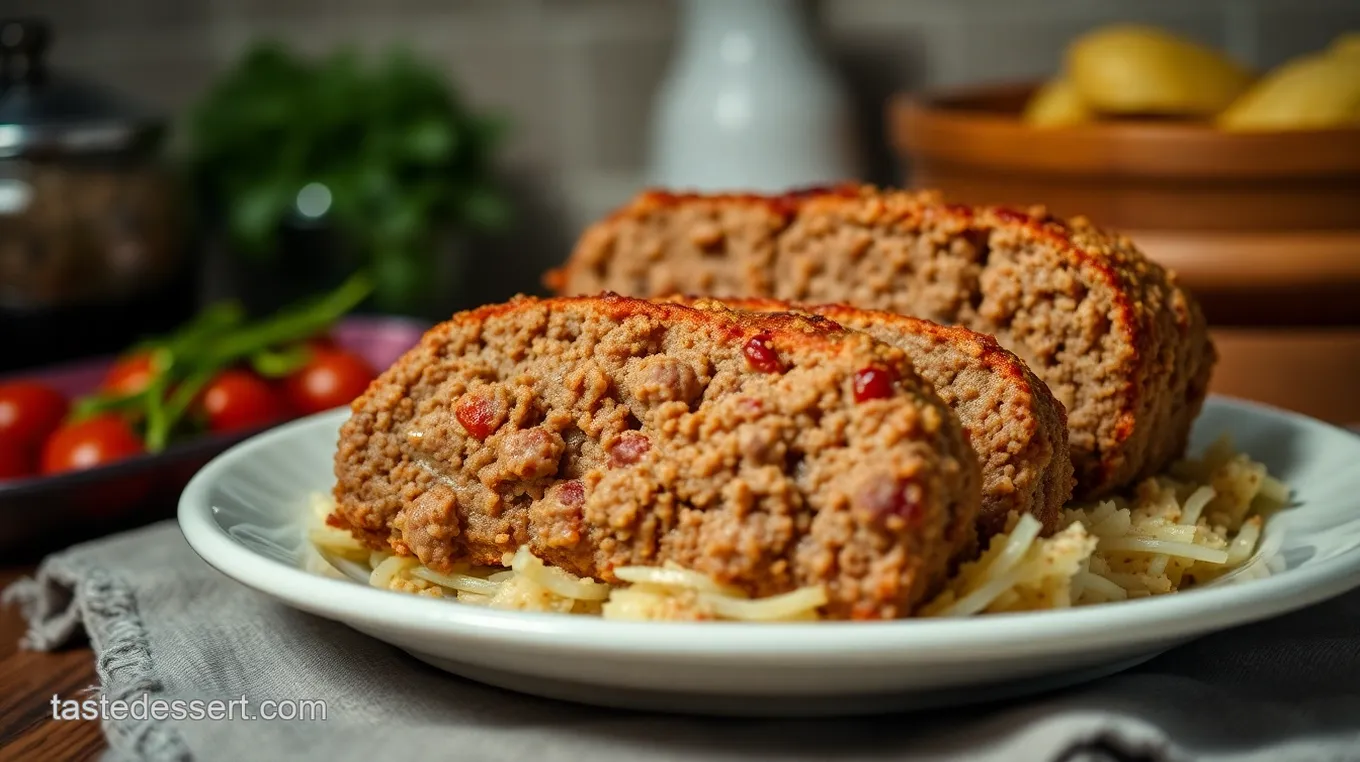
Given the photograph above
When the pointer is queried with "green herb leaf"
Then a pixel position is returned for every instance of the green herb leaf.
(279, 363)
(98, 404)
(290, 325)
(168, 412)
(186, 361)
(403, 276)
(403, 157)
(485, 208)
(158, 419)
(256, 213)
(213, 320)
(431, 140)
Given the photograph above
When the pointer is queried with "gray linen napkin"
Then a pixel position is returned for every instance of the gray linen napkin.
(163, 623)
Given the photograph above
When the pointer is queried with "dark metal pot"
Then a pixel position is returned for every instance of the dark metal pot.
(93, 237)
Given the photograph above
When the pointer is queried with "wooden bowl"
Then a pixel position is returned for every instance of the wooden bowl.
(1263, 227)
(1145, 174)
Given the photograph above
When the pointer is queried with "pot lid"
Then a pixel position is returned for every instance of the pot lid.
(44, 112)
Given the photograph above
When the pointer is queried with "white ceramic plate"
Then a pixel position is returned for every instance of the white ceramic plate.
(243, 514)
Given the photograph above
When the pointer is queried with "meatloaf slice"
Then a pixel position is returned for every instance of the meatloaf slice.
(608, 431)
(1117, 340)
(1017, 428)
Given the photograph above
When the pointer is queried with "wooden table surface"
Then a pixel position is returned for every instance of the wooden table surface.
(30, 679)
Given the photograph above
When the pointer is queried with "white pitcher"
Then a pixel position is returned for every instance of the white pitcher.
(748, 103)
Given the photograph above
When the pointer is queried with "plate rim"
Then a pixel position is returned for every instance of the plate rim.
(1160, 618)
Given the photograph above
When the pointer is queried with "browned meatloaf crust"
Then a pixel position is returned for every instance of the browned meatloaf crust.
(1118, 342)
(609, 431)
(1009, 416)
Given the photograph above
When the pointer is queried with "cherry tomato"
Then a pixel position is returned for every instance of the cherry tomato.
(331, 379)
(29, 412)
(15, 462)
(89, 443)
(129, 375)
(238, 399)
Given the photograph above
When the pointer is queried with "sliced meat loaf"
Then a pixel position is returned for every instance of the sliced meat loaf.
(1119, 343)
(610, 431)
(1012, 421)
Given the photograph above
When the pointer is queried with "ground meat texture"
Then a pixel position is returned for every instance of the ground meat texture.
(634, 432)
(1017, 428)
(1118, 342)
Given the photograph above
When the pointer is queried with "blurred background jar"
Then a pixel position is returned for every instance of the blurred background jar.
(93, 250)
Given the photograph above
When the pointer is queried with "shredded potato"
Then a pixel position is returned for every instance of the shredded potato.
(559, 582)
(786, 606)
(1018, 572)
(1201, 520)
(463, 583)
(671, 575)
(391, 570)
(1195, 524)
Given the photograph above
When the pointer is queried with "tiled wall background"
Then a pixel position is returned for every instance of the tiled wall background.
(577, 76)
